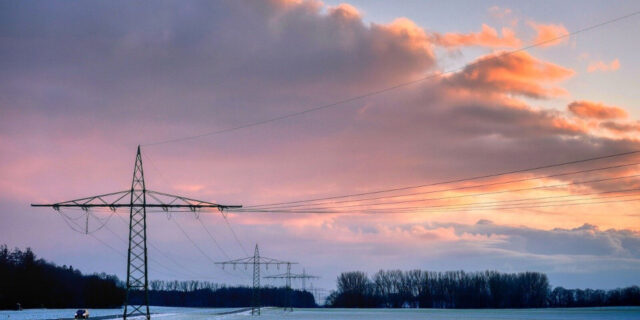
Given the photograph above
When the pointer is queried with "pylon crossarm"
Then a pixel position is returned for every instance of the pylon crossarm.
(119, 205)
(119, 199)
(265, 260)
(174, 201)
(108, 200)
(292, 276)
(248, 260)
(277, 276)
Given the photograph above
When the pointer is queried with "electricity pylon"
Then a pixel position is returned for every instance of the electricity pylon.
(256, 261)
(288, 276)
(319, 293)
(304, 276)
(137, 196)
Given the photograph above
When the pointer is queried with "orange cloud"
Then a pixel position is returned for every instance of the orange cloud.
(568, 126)
(344, 11)
(588, 109)
(487, 37)
(548, 35)
(603, 66)
(411, 34)
(514, 73)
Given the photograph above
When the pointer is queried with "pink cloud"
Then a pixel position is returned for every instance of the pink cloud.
(344, 11)
(588, 109)
(487, 37)
(515, 73)
(548, 35)
(603, 66)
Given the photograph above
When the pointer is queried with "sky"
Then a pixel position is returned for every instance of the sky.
(85, 83)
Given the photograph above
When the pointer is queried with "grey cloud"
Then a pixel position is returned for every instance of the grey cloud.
(207, 54)
(621, 126)
(586, 240)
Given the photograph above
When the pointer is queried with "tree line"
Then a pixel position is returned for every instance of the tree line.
(36, 283)
(459, 289)
(175, 285)
(227, 297)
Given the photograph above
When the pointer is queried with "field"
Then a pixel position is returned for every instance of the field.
(613, 313)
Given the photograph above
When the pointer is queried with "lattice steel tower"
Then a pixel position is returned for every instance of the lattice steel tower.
(137, 299)
(288, 276)
(137, 253)
(256, 261)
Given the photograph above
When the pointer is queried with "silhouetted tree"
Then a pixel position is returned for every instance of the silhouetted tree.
(356, 290)
(35, 282)
(459, 289)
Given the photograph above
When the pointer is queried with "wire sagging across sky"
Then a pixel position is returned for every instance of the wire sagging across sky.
(595, 179)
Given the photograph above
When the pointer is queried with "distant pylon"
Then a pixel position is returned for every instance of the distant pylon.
(288, 276)
(304, 276)
(256, 261)
(255, 293)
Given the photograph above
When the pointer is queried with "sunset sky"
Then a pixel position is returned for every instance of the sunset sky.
(84, 83)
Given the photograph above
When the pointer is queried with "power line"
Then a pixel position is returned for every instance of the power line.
(107, 245)
(410, 209)
(213, 238)
(456, 188)
(397, 86)
(196, 245)
(481, 194)
(123, 255)
(193, 274)
(193, 242)
(493, 175)
(187, 271)
(552, 205)
(183, 272)
(561, 202)
(235, 236)
(523, 201)
(72, 222)
(224, 216)
(535, 199)
(190, 211)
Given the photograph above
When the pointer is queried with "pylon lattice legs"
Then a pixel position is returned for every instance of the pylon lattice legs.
(255, 297)
(137, 282)
(289, 293)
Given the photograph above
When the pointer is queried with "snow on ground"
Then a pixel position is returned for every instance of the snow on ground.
(438, 314)
(168, 313)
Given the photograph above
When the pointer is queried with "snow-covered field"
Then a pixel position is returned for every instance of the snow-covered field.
(618, 313)
(168, 313)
